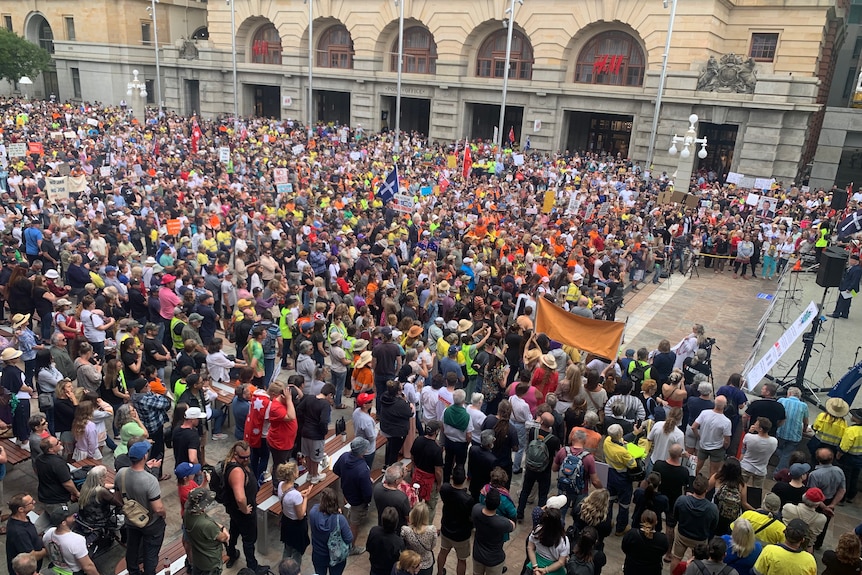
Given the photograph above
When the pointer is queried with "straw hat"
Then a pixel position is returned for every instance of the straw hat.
(532, 355)
(360, 345)
(549, 361)
(443, 286)
(837, 407)
(10, 353)
(20, 319)
(364, 359)
(464, 325)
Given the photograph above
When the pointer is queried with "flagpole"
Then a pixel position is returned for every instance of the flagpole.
(400, 4)
(310, 68)
(511, 12)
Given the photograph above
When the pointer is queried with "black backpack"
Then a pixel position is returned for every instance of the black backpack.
(638, 374)
(217, 481)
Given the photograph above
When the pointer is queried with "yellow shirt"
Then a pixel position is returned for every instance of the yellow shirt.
(851, 440)
(829, 429)
(771, 534)
(209, 244)
(776, 560)
(617, 456)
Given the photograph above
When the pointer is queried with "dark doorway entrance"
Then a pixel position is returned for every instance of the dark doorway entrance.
(267, 101)
(610, 133)
(721, 140)
(483, 118)
(332, 106)
(193, 97)
(415, 114)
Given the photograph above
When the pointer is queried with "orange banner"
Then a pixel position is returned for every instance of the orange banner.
(596, 336)
(174, 227)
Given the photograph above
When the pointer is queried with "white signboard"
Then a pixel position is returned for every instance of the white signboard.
(224, 154)
(105, 171)
(355, 156)
(57, 189)
(764, 183)
(280, 175)
(734, 177)
(574, 204)
(403, 203)
(747, 182)
(17, 150)
(286, 101)
(93, 122)
(768, 361)
(518, 159)
(297, 149)
(752, 199)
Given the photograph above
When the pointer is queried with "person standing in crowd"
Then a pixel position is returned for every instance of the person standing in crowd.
(619, 461)
(240, 502)
(356, 486)
(789, 557)
(789, 434)
(844, 560)
(807, 511)
(365, 427)
(428, 463)
(743, 548)
(387, 494)
(829, 426)
(850, 453)
(137, 483)
(831, 481)
(457, 431)
(21, 536)
(538, 469)
(420, 535)
(294, 503)
(385, 363)
(488, 555)
(67, 550)
(324, 518)
(395, 414)
(456, 523)
(848, 287)
(152, 409)
(696, 519)
(384, 543)
(206, 537)
(713, 431)
(55, 481)
(315, 413)
(644, 547)
(757, 447)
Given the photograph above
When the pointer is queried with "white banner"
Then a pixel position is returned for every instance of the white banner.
(17, 150)
(57, 189)
(768, 361)
(734, 177)
(279, 175)
(224, 154)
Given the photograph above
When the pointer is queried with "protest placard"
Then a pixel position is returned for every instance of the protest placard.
(105, 171)
(734, 177)
(17, 150)
(284, 188)
(57, 188)
(174, 226)
(279, 175)
(224, 154)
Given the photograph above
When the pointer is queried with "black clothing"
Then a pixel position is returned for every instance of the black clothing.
(64, 414)
(789, 494)
(230, 504)
(674, 480)
(21, 537)
(490, 535)
(151, 347)
(503, 449)
(316, 413)
(53, 472)
(394, 415)
(480, 463)
(383, 550)
(427, 454)
(456, 522)
(384, 498)
(643, 554)
(186, 438)
(768, 408)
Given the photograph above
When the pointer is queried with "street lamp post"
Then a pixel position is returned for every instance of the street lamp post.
(400, 4)
(136, 90)
(233, 58)
(511, 12)
(158, 59)
(688, 141)
(310, 105)
(661, 82)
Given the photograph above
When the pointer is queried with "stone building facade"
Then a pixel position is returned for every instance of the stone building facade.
(584, 73)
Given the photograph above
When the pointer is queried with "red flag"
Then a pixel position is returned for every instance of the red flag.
(512, 134)
(197, 134)
(468, 161)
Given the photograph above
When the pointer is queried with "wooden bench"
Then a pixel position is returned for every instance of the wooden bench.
(15, 454)
(172, 553)
(109, 476)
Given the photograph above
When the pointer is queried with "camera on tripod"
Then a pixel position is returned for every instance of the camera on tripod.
(708, 344)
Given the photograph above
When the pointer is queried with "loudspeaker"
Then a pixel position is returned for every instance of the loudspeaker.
(839, 200)
(832, 263)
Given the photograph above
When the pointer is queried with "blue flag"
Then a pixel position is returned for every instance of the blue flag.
(389, 187)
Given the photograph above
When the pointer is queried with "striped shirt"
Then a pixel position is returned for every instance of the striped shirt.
(795, 411)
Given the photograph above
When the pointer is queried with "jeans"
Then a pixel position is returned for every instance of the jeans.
(680, 256)
(322, 567)
(657, 275)
(259, 459)
(768, 266)
(46, 328)
(522, 444)
(338, 380)
(217, 420)
(279, 457)
(268, 370)
(456, 453)
(245, 526)
(531, 478)
(620, 485)
(785, 448)
(144, 544)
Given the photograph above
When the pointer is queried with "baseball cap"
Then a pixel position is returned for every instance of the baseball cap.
(557, 501)
(199, 497)
(168, 278)
(61, 513)
(386, 330)
(432, 426)
(196, 317)
(186, 469)
(110, 269)
(796, 530)
(815, 495)
(797, 470)
(359, 446)
(139, 450)
(364, 398)
(195, 413)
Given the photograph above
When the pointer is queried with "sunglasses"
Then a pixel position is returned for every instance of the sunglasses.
(238, 456)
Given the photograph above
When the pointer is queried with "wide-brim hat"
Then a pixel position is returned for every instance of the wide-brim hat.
(443, 286)
(549, 361)
(464, 325)
(52, 274)
(364, 359)
(837, 407)
(20, 319)
(532, 354)
(414, 331)
(10, 353)
(360, 345)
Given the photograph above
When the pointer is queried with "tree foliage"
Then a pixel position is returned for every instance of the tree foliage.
(18, 57)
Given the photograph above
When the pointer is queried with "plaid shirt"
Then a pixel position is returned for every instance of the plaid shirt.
(153, 410)
(795, 411)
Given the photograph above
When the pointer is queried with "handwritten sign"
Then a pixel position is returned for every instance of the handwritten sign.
(734, 177)
(752, 199)
(35, 148)
(747, 182)
(70, 135)
(105, 171)
(284, 188)
(93, 122)
(764, 183)
(280, 175)
(518, 159)
(355, 156)
(297, 149)
(57, 188)
(224, 154)
(174, 226)
(17, 150)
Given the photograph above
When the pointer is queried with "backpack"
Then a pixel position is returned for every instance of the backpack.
(729, 502)
(704, 570)
(217, 482)
(537, 455)
(638, 374)
(731, 410)
(572, 474)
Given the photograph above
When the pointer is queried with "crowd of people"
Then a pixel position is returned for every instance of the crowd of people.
(153, 265)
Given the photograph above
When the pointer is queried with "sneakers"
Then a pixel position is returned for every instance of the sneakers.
(318, 478)
(267, 476)
(356, 550)
(219, 436)
(232, 559)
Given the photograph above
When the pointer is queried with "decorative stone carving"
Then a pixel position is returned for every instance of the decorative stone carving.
(189, 50)
(730, 74)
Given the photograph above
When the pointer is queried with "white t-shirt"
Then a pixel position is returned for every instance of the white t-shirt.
(91, 322)
(444, 400)
(713, 427)
(561, 549)
(756, 451)
(289, 501)
(65, 550)
(477, 418)
(428, 401)
(662, 441)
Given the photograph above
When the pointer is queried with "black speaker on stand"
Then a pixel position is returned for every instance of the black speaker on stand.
(833, 260)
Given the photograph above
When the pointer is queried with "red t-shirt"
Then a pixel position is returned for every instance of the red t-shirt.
(184, 491)
(282, 433)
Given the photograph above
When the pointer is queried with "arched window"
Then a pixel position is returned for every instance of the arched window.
(46, 36)
(335, 49)
(492, 57)
(612, 58)
(266, 46)
(201, 33)
(420, 52)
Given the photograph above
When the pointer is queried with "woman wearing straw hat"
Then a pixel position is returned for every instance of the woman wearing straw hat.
(829, 426)
(14, 381)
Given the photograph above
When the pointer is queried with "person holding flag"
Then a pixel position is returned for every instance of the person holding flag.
(389, 187)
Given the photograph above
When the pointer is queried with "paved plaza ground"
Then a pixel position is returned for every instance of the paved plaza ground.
(730, 310)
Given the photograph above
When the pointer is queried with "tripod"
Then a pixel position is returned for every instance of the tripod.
(693, 261)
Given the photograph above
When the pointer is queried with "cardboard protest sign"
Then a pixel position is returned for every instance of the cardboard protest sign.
(57, 188)
(174, 227)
